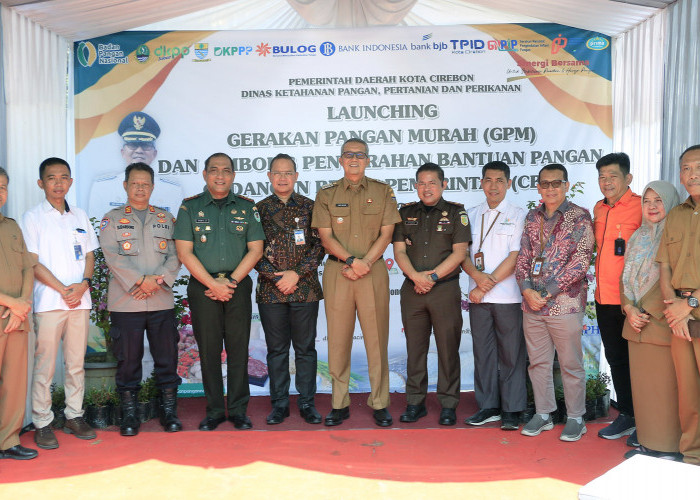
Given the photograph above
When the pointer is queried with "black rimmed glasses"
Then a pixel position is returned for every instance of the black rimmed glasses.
(350, 155)
(555, 184)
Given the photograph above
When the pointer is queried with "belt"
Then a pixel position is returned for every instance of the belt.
(439, 282)
(222, 274)
(684, 292)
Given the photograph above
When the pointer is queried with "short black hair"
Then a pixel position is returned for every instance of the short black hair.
(283, 156)
(52, 161)
(496, 165)
(554, 166)
(691, 148)
(431, 167)
(610, 159)
(139, 167)
(3, 172)
(217, 155)
(357, 140)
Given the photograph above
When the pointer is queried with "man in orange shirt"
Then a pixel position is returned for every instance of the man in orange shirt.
(616, 217)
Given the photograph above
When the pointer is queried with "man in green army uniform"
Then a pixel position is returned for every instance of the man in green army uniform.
(219, 239)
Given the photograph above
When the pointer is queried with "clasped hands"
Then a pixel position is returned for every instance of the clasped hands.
(359, 269)
(484, 284)
(677, 314)
(17, 311)
(149, 286)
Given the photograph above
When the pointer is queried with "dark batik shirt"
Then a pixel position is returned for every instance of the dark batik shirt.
(282, 253)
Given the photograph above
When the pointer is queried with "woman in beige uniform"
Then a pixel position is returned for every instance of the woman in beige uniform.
(654, 389)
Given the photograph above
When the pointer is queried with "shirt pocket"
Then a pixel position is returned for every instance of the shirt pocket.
(504, 229)
(161, 239)
(238, 228)
(128, 245)
(674, 246)
(340, 218)
(15, 257)
(202, 234)
(372, 217)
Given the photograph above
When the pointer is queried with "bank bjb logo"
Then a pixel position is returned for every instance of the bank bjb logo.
(142, 53)
(201, 50)
(86, 54)
(327, 48)
(597, 43)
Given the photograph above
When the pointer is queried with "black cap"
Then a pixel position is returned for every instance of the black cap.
(138, 126)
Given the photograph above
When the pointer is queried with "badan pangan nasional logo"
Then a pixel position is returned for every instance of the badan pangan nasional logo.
(86, 54)
(263, 49)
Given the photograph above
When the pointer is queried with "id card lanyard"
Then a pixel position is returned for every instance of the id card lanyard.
(538, 263)
(77, 247)
(479, 256)
(299, 238)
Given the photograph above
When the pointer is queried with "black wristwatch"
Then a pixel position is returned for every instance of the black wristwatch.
(693, 302)
(350, 260)
(434, 277)
(89, 282)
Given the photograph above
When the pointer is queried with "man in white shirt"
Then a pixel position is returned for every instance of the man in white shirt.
(62, 239)
(495, 313)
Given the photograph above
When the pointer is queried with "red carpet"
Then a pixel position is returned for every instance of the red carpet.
(403, 453)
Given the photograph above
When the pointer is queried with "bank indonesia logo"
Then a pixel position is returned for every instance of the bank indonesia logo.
(327, 48)
(201, 50)
(86, 54)
(142, 53)
(597, 43)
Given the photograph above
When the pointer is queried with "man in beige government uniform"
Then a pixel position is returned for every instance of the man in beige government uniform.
(355, 218)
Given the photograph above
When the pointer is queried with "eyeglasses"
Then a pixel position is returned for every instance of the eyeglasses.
(283, 174)
(431, 184)
(554, 184)
(350, 155)
(134, 145)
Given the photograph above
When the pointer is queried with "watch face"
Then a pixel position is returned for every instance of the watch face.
(692, 302)
(434, 277)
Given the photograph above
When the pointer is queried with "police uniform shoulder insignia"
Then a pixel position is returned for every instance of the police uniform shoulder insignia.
(246, 198)
(151, 209)
(127, 209)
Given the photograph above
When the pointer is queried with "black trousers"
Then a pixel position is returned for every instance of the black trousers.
(127, 333)
(221, 326)
(294, 323)
(610, 321)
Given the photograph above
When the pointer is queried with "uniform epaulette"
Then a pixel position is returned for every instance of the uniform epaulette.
(246, 198)
(377, 181)
(330, 185)
(404, 205)
(160, 209)
(193, 197)
(461, 205)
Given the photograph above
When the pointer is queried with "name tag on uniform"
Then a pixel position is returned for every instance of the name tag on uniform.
(341, 205)
(299, 237)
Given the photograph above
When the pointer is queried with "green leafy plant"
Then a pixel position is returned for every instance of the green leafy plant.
(98, 396)
(58, 396)
(597, 385)
(148, 390)
(99, 314)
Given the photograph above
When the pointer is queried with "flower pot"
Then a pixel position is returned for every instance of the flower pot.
(598, 407)
(59, 418)
(99, 417)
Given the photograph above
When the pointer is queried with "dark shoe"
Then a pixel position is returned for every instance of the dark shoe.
(484, 417)
(45, 438)
(336, 416)
(130, 419)
(19, 452)
(168, 410)
(413, 413)
(510, 420)
(80, 428)
(278, 415)
(664, 455)
(242, 422)
(632, 441)
(209, 423)
(448, 416)
(622, 426)
(310, 414)
(382, 417)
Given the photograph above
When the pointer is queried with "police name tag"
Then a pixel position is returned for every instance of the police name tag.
(299, 237)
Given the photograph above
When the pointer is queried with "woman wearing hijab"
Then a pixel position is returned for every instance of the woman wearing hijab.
(654, 389)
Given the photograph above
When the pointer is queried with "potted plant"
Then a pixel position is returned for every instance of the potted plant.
(58, 404)
(98, 407)
(597, 396)
(148, 406)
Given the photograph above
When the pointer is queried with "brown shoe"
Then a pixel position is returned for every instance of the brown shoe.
(80, 428)
(45, 438)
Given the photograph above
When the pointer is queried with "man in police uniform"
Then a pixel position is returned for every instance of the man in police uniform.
(679, 258)
(355, 218)
(139, 132)
(219, 239)
(137, 241)
(16, 284)
(430, 243)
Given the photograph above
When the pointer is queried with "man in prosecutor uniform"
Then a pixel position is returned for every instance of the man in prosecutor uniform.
(430, 243)
(355, 218)
(219, 239)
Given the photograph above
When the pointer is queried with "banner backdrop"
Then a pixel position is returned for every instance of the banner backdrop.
(458, 96)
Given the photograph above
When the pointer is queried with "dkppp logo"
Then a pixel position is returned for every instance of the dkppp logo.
(86, 54)
(559, 43)
(142, 53)
(243, 50)
(327, 48)
(597, 43)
